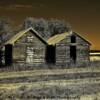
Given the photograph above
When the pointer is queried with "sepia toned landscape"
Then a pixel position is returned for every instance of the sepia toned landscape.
(75, 77)
(69, 84)
(49, 50)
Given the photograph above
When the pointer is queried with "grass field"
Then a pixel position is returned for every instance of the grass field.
(47, 72)
(73, 83)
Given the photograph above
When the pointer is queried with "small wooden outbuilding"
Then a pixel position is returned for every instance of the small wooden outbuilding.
(28, 47)
(70, 48)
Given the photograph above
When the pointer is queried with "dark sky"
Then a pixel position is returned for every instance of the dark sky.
(83, 15)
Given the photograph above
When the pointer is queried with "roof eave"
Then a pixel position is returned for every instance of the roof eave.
(83, 38)
(11, 41)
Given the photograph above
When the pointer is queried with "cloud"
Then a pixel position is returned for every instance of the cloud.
(20, 6)
(16, 7)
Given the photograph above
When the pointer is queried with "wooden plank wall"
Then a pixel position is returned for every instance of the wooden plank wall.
(20, 50)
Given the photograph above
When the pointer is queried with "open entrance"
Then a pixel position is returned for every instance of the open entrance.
(73, 53)
(73, 39)
(1, 57)
(8, 54)
(50, 54)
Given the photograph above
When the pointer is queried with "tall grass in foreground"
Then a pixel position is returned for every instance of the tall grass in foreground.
(73, 89)
(23, 67)
(69, 93)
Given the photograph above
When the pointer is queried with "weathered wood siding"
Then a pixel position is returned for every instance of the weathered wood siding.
(63, 51)
(25, 49)
(83, 49)
(33, 48)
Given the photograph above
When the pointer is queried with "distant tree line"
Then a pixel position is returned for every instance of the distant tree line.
(46, 28)
(5, 30)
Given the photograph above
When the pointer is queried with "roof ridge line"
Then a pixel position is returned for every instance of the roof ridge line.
(21, 33)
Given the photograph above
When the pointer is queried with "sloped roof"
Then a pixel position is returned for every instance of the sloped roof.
(57, 38)
(21, 33)
(82, 37)
(51, 41)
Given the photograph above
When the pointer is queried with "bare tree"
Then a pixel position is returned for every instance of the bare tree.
(41, 26)
(5, 30)
(28, 22)
(47, 28)
(58, 26)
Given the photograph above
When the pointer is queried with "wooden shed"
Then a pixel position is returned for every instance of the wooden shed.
(70, 48)
(28, 47)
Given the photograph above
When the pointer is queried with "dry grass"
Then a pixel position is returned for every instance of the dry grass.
(47, 72)
(79, 88)
(52, 83)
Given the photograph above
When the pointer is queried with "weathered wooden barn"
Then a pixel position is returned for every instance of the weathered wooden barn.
(28, 47)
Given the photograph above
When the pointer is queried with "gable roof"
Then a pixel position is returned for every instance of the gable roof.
(82, 38)
(51, 41)
(57, 38)
(21, 33)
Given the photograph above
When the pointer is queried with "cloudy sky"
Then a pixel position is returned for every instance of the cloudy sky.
(83, 15)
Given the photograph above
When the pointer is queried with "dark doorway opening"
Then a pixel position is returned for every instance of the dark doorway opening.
(50, 54)
(1, 57)
(8, 54)
(73, 39)
(73, 53)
